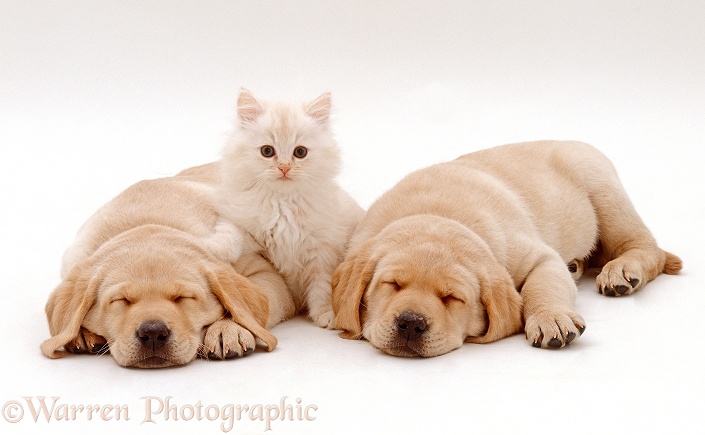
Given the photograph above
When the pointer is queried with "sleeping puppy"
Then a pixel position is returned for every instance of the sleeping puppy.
(152, 277)
(479, 247)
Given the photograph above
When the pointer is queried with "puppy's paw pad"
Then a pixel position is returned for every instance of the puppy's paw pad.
(571, 336)
(554, 330)
(619, 278)
(225, 339)
(324, 320)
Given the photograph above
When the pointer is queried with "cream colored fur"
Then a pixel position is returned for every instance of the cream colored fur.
(158, 260)
(290, 205)
(477, 248)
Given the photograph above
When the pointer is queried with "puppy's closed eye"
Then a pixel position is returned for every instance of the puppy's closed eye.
(121, 300)
(183, 298)
(451, 298)
(394, 285)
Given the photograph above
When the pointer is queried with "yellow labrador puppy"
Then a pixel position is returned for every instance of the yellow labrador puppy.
(151, 277)
(476, 248)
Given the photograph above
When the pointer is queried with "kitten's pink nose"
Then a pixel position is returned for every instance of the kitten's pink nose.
(284, 167)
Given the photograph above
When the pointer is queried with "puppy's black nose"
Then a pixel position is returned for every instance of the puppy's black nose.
(411, 325)
(153, 334)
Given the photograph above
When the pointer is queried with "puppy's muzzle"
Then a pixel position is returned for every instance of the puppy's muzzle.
(153, 334)
(411, 326)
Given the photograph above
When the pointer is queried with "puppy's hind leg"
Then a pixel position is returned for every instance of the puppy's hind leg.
(633, 268)
(632, 254)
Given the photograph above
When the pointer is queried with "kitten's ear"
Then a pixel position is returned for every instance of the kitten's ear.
(319, 109)
(248, 108)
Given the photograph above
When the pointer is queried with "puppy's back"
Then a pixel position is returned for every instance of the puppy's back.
(183, 202)
(543, 185)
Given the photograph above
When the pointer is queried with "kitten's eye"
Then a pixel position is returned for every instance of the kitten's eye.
(267, 151)
(300, 152)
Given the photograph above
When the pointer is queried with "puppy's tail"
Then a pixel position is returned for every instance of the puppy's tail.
(673, 264)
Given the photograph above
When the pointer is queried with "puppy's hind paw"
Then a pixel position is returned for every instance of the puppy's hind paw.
(576, 269)
(225, 339)
(553, 330)
(620, 277)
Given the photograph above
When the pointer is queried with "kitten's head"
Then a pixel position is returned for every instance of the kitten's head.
(281, 145)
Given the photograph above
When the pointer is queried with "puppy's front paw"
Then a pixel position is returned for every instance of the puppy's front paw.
(554, 329)
(87, 342)
(225, 339)
(620, 277)
(324, 319)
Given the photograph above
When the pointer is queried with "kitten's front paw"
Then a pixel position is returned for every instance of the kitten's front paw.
(324, 319)
(226, 339)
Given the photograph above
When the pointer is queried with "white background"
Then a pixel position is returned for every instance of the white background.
(97, 95)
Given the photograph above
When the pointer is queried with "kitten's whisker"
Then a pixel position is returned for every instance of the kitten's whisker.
(257, 181)
(309, 178)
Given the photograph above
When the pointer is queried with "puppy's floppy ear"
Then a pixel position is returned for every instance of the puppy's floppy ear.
(503, 305)
(68, 305)
(349, 283)
(247, 304)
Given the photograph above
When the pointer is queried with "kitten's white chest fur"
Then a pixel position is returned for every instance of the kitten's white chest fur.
(300, 236)
(278, 185)
(304, 238)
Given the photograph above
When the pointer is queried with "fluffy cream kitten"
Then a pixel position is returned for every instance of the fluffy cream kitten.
(279, 169)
